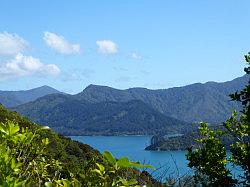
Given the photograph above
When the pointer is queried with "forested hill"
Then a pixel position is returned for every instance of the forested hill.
(14, 98)
(61, 147)
(196, 102)
(69, 116)
(103, 110)
(35, 156)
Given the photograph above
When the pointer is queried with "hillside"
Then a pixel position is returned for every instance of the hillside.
(73, 154)
(196, 102)
(69, 116)
(14, 98)
(61, 158)
(101, 110)
(174, 143)
(186, 141)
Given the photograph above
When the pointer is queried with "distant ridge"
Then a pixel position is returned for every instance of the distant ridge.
(69, 116)
(196, 102)
(15, 98)
(99, 110)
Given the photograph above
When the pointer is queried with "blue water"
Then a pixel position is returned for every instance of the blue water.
(168, 163)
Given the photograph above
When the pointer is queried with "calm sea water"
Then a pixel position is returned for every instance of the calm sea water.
(168, 163)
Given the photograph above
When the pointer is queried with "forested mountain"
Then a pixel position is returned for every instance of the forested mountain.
(108, 111)
(196, 102)
(32, 155)
(14, 98)
(69, 116)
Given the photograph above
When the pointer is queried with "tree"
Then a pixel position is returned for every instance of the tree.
(25, 161)
(210, 159)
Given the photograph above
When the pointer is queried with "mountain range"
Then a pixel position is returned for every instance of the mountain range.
(69, 116)
(196, 102)
(15, 98)
(105, 110)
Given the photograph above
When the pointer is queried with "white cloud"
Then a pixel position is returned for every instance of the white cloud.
(136, 56)
(51, 69)
(11, 44)
(107, 47)
(22, 66)
(59, 44)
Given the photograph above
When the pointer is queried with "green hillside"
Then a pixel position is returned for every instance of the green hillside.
(101, 110)
(192, 103)
(186, 141)
(69, 116)
(53, 160)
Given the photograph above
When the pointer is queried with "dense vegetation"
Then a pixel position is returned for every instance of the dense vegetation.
(196, 102)
(187, 140)
(174, 143)
(14, 98)
(31, 155)
(210, 160)
(70, 116)
(106, 111)
(193, 103)
(35, 156)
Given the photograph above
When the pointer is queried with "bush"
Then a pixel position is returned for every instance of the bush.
(25, 160)
(210, 159)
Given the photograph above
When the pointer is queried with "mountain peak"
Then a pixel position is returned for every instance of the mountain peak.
(91, 86)
(98, 87)
(45, 87)
(14, 98)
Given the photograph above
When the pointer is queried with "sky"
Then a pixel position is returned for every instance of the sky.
(154, 44)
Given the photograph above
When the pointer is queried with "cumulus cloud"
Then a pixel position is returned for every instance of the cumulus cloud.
(21, 66)
(11, 44)
(60, 44)
(136, 56)
(107, 47)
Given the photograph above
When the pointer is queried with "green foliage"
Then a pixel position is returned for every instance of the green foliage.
(107, 176)
(31, 155)
(23, 157)
(76, 157)
(210, 160)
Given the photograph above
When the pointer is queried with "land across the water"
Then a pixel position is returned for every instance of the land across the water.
(133, 147)
(168, 163)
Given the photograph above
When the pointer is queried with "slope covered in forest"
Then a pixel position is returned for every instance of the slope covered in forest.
(32, 155)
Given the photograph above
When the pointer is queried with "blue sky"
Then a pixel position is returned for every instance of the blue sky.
(122, 44)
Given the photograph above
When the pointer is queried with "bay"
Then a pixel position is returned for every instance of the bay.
(167, 163)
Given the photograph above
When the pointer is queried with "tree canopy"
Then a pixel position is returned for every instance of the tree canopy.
(210, 159)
